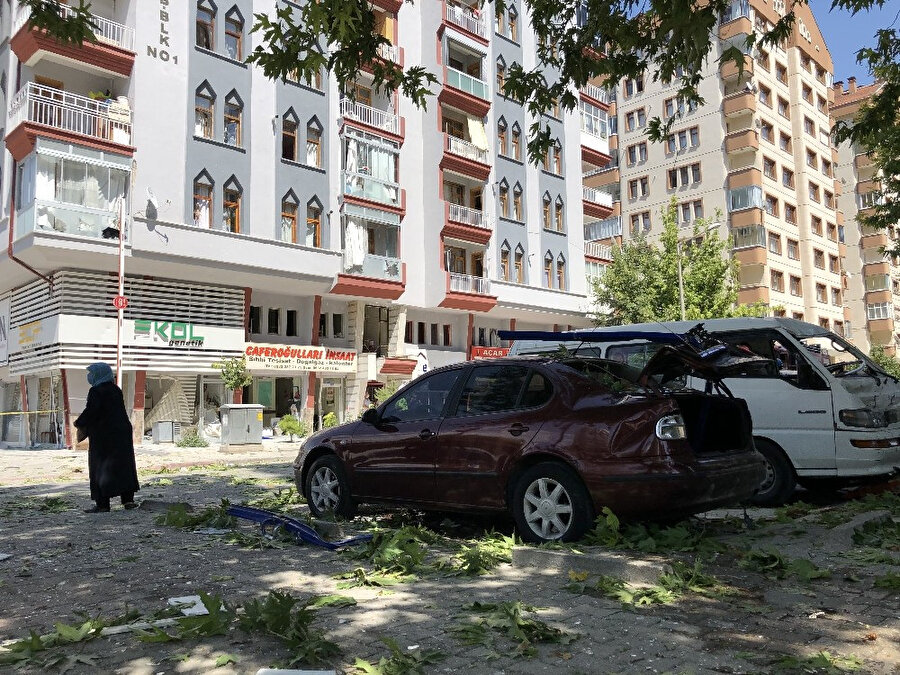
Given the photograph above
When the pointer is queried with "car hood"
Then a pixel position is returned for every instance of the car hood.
(703, 357)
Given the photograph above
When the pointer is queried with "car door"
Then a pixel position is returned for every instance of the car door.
(393, 458)
(793, 406)
(496, 415)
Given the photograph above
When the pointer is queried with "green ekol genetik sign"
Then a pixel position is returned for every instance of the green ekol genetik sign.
(173, 333)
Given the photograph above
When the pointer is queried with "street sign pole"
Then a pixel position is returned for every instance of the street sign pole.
(119, 303)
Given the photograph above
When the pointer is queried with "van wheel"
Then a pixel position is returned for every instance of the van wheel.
(550, 503)
(779, 483)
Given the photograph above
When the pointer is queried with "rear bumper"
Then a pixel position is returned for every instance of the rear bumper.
(678, 489)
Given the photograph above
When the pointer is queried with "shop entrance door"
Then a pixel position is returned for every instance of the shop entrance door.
(284, 392)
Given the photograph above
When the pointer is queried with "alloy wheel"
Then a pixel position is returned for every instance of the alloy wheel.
(548, 508)
(324, 489)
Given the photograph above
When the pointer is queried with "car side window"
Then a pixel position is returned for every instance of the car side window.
(789, 364)
(537, 392)
(423, 399)
(491, 389)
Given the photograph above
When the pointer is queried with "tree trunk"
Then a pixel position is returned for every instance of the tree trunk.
(237, 396)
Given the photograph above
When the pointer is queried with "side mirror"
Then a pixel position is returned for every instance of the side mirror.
(371, 416)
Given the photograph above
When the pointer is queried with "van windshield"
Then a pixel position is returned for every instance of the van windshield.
(839, 356)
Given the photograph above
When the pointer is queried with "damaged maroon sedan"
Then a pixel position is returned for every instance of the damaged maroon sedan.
(551, 439)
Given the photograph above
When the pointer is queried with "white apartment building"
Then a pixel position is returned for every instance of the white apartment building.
(337, 241)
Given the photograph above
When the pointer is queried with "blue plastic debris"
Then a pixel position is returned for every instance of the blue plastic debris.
(269, 520)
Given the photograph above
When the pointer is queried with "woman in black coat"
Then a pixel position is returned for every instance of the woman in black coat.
(111, 464)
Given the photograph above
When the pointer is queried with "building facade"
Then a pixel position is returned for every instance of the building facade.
(872, 277)
(336, 236)
(755, 161)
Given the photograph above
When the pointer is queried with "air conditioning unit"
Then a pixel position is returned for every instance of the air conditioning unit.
(166, 431)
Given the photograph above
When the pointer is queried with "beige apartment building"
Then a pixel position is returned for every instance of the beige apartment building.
(755, 160)
(872, 279)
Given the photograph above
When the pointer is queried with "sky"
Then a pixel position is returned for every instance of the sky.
(846, 34)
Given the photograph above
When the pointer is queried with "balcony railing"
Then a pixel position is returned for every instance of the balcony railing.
(58, 218)
(597, 250)
(71, 112)
(373, 117)
(466, 283)
(389, 53)
(596, 196)
(465, 18)
(603, 229)
(465, 149)
(599, 93)
(463, 214)
(106, 31)
(375, 267)
(369, 187)
(467, 83)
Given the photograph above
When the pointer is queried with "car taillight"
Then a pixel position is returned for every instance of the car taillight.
(670, 428)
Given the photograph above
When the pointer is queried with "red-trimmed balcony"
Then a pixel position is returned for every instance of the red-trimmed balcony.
(467, 20)
(462, 222)
(596, 203)
(468, 293)
(365, 190)
(111, 55)
(371, 276)
(597, 95)
(392, 6)
(390, 53)
(465, 92)
(383, 122)
(597, 251)
(52, 113)
(466, 158)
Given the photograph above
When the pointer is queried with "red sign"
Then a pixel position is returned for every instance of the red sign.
(489, 352)
(120, 302)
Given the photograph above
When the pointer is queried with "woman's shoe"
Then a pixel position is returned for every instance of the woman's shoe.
(97, 509)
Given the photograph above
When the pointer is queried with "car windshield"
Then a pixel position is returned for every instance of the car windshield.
(839, 356)
(619, 378)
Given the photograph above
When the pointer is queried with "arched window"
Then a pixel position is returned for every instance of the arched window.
(234, 110)
(289, 217)
(503, 197)
(557, 158)
(314, 223)
(547, 215)
(289, 135)
(501, 75)
(231, 206)
(517, 142)
(513, 25)
(559, 216)
(234, 34)
(203, 194)
(502, 141)
(519, 264)
(314, 143)
(548, 270)
(504, 261)
(517, 203)
(204, 111)
(206, 25)
(561, 272)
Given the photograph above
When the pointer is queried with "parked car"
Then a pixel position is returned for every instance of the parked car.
(827, 416)
(552, 439)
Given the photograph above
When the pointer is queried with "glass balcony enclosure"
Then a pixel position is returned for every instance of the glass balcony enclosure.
(370, 243)
(370, 167)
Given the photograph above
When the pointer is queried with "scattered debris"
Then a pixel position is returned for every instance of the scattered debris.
(188, 605)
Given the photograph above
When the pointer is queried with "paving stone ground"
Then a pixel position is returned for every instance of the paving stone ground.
(64, 563)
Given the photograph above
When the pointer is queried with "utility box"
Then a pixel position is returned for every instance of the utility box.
(166, 431)
(241, 423)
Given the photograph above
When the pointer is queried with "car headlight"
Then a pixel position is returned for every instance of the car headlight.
(670, 428)
(863, 417)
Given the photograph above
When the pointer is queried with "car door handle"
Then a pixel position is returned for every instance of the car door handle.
(518, 429)
(426, 433)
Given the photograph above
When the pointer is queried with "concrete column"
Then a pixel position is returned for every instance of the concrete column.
(137, 412)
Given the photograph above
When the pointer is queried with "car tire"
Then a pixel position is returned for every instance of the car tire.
(780, 481)
(327, 489)
(550, 503)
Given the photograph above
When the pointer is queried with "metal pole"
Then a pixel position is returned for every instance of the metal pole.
(680, 278)
(121, 310)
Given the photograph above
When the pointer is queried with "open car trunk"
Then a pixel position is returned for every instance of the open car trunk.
(715, 424)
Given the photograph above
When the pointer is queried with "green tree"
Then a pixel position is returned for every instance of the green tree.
(235, 375)
(888, 363)
(641, 283)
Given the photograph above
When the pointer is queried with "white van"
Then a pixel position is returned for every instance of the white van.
(826, 416)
